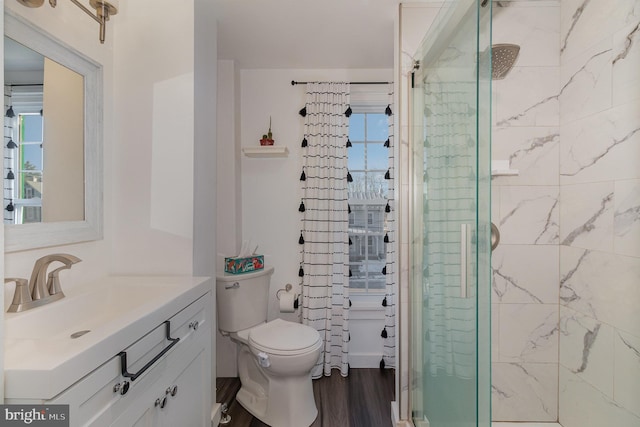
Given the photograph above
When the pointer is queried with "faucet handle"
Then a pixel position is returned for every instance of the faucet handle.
(21, 294)
(53, 281)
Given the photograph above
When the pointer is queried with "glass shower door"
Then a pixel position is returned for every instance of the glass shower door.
(450, 290)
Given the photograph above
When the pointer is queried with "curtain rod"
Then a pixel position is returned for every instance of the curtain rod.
(293, 83)
(26, 84)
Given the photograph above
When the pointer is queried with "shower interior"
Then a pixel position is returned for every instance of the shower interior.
(546, 305)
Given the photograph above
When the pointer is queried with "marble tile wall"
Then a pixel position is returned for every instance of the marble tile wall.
(599, 213)
(526, 209)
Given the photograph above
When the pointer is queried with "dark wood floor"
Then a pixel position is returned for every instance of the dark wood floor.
(363, 399)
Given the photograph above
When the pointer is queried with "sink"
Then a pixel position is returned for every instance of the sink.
(49, 348)
(94, 309)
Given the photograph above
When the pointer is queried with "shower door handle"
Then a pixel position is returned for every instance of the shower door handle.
(495, 236)
(464, 259)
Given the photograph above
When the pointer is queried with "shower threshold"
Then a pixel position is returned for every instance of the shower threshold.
(525, 424)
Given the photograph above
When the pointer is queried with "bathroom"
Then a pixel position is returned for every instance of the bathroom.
(151, 210)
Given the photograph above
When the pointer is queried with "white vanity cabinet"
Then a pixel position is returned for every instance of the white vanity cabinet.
(174, 390)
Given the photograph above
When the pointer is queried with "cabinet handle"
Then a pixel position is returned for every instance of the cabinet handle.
(123, 355)
(172, 390)
(161, 402)
(121, 388)
(194, 325)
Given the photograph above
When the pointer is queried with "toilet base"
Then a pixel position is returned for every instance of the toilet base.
(275, 400)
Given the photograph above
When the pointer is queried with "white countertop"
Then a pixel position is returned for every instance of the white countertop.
(42, 360)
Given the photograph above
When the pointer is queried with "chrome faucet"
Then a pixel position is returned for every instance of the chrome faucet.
(40, 290)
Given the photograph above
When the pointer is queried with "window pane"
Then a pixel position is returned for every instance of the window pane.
(358, 279)
(359, 218)
(30, 185)
(31, 127)
(368, 163)
(356, 157)
(357, 186)
(377, 186)
(31, 214)
(356, 127)
(377, 127)
(377, 280)
(377, 156)
(376, 216)
(31, 156)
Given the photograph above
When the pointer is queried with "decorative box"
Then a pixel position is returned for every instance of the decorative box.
(235, 265)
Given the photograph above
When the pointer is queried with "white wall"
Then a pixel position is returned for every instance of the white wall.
(63, 103)
(228, 161)
(153, 143)
(229, 194)
(205, 126)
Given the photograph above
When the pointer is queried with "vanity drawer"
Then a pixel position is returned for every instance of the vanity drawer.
(102, 396)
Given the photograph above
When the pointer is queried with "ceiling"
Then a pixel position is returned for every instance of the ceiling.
(307, 33)
(20, 58)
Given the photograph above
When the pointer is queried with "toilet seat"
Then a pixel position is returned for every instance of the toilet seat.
(283, 338)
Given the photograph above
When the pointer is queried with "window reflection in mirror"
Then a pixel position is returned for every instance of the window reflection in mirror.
(43, 139)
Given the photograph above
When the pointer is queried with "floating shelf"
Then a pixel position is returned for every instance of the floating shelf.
(266, 151)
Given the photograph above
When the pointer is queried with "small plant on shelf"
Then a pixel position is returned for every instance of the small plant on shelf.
(267, 139)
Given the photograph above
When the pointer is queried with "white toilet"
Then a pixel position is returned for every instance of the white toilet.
(274, 358)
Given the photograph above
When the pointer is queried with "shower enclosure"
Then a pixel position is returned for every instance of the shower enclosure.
(450, 365)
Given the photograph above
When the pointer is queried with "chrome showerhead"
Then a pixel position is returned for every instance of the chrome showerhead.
(503, 56)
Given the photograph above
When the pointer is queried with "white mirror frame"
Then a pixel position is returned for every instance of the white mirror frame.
(39, 235)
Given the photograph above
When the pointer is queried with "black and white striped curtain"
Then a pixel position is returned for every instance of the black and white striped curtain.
(389, 349)
(324, 239)
(9, 159)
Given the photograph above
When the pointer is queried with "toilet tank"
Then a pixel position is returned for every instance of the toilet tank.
(242, 299)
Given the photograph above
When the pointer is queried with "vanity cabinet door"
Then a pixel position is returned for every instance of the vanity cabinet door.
(181, 395)
(188, 407)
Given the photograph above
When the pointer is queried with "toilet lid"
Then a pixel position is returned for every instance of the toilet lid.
(282, 337)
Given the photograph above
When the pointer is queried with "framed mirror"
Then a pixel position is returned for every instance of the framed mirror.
(52, 140)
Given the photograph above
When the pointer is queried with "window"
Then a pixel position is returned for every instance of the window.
(368, 162)
(27, 167)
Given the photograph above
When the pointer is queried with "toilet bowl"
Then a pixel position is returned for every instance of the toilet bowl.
(274, 358)
(274, 363)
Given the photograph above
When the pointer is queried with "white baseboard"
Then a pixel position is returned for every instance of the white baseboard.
(394, 414)
(215, 414)
(364, 360)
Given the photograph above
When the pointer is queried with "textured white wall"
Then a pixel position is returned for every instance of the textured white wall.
(153, 145)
